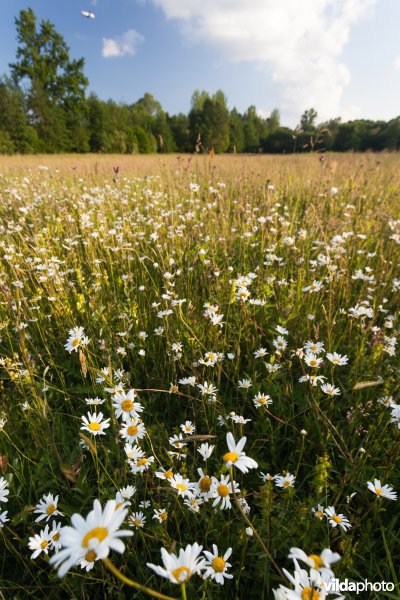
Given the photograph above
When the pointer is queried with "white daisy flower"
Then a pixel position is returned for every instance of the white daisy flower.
(179, 569)
(216, 566)
(236, 456)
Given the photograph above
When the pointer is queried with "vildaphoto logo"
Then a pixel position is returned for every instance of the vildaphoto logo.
(335, 585)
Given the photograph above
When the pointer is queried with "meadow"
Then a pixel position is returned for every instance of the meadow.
(199, 372)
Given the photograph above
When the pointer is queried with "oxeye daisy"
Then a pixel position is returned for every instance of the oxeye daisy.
(205, 450)
(3, 518)
(337, 519)
(4, 491)
(221, 491)
(91, 538)
(188, 428)
(179, 569)
(160, 514)
(141, 464)
(203, 486)
(137, 520)
(183, 486)
(383, 491)
(216, 566)
(262, 400)
(40, 542)
(55, 536)
(315, 561)
(313, 361)
(330, 389)
(337, 359)
(236, 457)
(126, 406)
(318, 512)
(95, 424)
(47, 508)
(76, 339)
(285, 481)
(132, 430)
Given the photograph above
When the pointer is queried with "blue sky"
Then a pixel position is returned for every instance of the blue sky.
(340, 56)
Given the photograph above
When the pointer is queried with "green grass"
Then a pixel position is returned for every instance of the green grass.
(76, 246)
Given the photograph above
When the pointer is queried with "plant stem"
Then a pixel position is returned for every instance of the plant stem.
(132, 583)
(246, 518)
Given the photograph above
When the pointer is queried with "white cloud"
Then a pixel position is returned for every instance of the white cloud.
(299, 42)
(123, 45)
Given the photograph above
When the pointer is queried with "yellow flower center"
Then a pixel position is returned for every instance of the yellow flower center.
(261, 400)
(127, 405)
(313, 363)
(90, 556)
(98, 532)
(44, 544)
(132, 430)
(141, 462)
(163, 516)
(218, 564)
(50, 509)
(319, 514)
(231, 457)
(286, 483)
(176, 574)
(56, 536)
(205, 484)
(317, 560)
(378, 491)
(168, 474)
(337, 519)
(94, 426)
(75, 342)
(137, 522)
(181, 486)
(211, 356)
(223, 490)
(310, 594)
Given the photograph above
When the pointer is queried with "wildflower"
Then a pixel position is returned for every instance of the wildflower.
(125, 405)
(165, 474)
(267, 477)
(40, 542)
(4, 491)
(313, 361)
(188, 428)
(216, 566)
(193, 504)
(314, 347)
(3, 518)
(76, 339)
(384, 491)
(55, 536)
(260, 353)
(133, 430)
(244, 384)
(47, 508)
(137, 520)
(262, 400)
(160, 514)
(318, 512)
(330, 389)
(337, 359)
(236, 456)
(207, 389)
(95, 424)
(94, 401)
(184, 486)
(316, 561)
(280, 343)
(188, 381)
(179, 569)
(141, 464)
(91, 538)
(285, 481)
(335, 519)
(203, 486)
(205, 450)
(221, 491)
(316, 286)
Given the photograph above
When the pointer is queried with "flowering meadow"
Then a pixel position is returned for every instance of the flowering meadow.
(199, 376)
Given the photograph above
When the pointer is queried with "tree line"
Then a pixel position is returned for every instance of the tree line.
(44, 108)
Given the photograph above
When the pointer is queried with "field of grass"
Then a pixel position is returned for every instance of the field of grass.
(185, 299)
